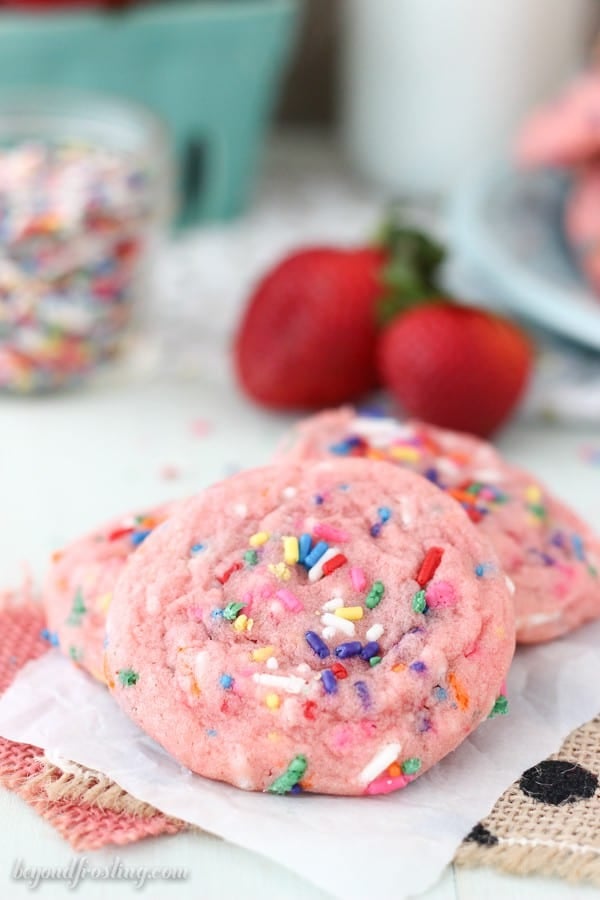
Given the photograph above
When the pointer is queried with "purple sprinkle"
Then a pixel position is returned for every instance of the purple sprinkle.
(369, 650)
(295, 789)
(425, 725)
(315, 643)
(318, 498)
(558, 539)
(432, 475)
(349, 648)
(418, 666)
(416, 629)
(329, 681)
(375, 529)
(363, 692)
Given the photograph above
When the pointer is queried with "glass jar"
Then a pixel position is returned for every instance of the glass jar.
(86, 193)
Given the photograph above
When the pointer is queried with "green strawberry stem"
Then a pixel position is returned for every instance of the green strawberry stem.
(411, 272)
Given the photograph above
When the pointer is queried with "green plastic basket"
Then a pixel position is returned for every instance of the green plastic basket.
(210, 69)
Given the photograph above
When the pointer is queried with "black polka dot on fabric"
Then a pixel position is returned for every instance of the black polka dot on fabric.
(557, 781)
(480, 835)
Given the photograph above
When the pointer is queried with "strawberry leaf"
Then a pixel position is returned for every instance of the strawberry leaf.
(411, 274)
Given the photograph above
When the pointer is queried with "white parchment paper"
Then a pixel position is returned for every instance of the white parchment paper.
(395, 845)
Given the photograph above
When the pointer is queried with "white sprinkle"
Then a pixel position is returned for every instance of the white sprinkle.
(510, 584)
(200, 666)
(489, 476)
(272, 663)
(303, 667)
(289, 492)
(291, 684)
(345, 626)
(538, 619)
(388, 754)
(328, 633)
(375, 632)
(152, 603)
(316, 573)
(276, 607)
(241, 510)
(380, 431)
(332, 604)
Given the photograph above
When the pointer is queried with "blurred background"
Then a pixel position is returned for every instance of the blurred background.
(159, 157)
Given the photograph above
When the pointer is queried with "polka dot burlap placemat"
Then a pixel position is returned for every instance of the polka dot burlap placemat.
(547, 823)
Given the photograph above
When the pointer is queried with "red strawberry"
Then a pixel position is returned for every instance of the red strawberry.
(307, 338)
(455, 366)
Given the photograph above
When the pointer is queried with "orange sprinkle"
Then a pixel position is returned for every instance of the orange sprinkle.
(394, 770)
(461, 496)
(462, 698)
(399, 667)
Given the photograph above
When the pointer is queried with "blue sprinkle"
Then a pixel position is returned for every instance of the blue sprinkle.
(139, 537)
(315, 554)
(479, 570)
(418, 666)
(329, 681)
(369, 650)
(295, 789)
(304, 545)
(384, 513)
(316, 644)
(216, 614)
(211, 732)
(105, 642)
(343, 487)
(440, 693)
(226, 682)
(197, 548)
(578, 548)
(347, 649)
(375, 529)
(318, 498)
(363, 692)
(374, 411)
(432, 475)
(50, 636)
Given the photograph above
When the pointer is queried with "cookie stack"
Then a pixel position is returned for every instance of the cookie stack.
(336, 622)
(565, 134)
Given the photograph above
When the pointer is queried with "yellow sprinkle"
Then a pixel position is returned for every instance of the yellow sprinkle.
(272, 701)
(406, 454)
(262, 653)
(249, 624)
(273, 736)
(280, 570)
(290, 550)
(350, 612)
(104, 602)
(533, 494)
(260, 538)
(240, 623)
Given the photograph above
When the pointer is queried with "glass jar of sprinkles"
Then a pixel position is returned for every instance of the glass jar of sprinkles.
(85, 196)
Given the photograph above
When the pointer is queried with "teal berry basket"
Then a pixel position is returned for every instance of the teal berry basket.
(211, 70)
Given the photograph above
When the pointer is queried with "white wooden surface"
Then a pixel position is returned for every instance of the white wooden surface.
(69, 461)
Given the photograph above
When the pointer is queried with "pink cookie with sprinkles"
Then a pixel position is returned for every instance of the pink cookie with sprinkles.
(79, 585)
(343, 629)
(549, 554)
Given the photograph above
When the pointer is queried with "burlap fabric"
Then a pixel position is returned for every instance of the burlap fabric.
(86, 808)
(548, 822)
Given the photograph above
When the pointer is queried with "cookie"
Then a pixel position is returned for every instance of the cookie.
(79, 585)
(565, 132)
(582, 223)
(548, 552)
(332, 627)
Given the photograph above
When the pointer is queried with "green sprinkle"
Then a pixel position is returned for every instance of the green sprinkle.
(474, 488)
(538, 510)
(500, 707)
(232, 611)
(128, 677)
(75, 653)
(77, 610)
(419, 603)
(375, 595)
(411, 766)
(251, 557)
(290, 777)
(593, 571)
(374, 661)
